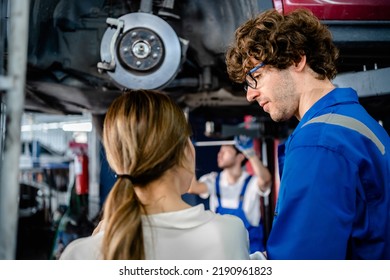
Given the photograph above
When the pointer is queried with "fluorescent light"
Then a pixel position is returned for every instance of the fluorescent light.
(40, 127)
(80, 126)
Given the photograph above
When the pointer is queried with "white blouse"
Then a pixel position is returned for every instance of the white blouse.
(193, 233)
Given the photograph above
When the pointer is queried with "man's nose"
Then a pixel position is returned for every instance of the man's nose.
(251, 94)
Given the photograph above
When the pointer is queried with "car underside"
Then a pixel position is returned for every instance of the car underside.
(82, 54)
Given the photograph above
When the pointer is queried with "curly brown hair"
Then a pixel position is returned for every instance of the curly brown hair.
(280, 41)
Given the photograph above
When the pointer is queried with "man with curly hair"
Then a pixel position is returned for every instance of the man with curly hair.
(334, 196)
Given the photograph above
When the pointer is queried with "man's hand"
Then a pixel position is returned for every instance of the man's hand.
(245, 145)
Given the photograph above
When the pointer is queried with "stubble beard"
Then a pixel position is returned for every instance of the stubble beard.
(284, 98)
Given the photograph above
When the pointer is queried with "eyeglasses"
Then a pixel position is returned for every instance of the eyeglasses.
(251, 81)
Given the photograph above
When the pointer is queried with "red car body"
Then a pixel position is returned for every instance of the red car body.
(340, 9)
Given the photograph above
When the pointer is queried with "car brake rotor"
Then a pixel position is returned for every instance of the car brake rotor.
(140, 50)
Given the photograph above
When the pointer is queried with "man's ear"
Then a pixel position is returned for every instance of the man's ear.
(241, 157)
(300, 64)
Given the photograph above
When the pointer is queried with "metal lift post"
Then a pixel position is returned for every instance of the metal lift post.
(13, 84)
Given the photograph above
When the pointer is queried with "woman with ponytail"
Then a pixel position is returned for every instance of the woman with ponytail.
(147, 141)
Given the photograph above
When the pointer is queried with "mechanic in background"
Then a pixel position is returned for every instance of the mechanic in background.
(334, 196)
(234, 191)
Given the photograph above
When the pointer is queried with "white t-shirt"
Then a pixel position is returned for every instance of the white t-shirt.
(193, 233)
(230, 194)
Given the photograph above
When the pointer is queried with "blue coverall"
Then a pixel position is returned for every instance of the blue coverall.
(334, 195)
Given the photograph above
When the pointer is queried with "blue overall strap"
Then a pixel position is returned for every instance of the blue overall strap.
(217, 188)
(218, 191)
(244, 190)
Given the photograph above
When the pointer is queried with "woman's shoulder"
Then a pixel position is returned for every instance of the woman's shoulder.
(229, 221)
(84, 248)
(234, 237)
